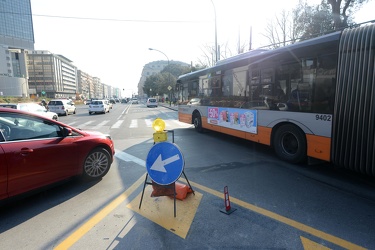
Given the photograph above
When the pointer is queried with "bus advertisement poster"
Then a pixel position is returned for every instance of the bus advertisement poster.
(239, 119)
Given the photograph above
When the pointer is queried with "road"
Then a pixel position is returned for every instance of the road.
(275, 205)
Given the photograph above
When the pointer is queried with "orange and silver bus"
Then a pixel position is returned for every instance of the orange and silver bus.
(314, 99)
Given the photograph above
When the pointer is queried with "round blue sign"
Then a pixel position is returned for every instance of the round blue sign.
(164, 163)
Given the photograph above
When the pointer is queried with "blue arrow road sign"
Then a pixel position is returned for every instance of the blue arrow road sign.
(164, 163)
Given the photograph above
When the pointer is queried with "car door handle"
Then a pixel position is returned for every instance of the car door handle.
(26, 151)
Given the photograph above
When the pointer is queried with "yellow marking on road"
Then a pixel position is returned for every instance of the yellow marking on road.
(161, 210)
(80, 232)
(302, 227)
(177, 224)
(311, 245)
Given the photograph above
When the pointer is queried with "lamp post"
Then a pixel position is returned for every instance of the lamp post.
(169, 73)
(216, 54)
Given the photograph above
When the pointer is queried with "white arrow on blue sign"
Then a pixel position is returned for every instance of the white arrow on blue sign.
(164, 163)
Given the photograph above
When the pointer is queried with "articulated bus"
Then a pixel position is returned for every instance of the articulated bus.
(314, 99)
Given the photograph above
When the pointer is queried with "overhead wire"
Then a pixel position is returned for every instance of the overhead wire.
(106, 19)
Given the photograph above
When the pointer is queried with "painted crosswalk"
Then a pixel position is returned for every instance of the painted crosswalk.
(133, 124)
(101, 124)
(117, 124)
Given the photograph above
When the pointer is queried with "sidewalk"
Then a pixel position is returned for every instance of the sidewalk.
(166, 105)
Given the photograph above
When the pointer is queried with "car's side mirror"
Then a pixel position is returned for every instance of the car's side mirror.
(66, 132)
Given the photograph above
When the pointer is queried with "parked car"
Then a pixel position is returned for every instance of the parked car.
(36, 152)
(62, 106)
(134, 101)
(98, 106)
(32, 108)
(151, 102)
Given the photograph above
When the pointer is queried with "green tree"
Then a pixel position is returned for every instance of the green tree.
(342, 11)
(305, 21)
(152, 85)
(312, 21)
(158, 84)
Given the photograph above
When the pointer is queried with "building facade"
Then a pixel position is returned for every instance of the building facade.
(85, 85)
(16, 38)
(51, 75)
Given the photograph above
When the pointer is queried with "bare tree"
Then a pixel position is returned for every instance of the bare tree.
(208, 53)
(281, 30)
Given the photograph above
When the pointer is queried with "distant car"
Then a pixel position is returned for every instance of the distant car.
(32, 108)
(151, 102)
(134, 101)
(98, 106)
(195, 102)
(62, 106)
(110, 104)
(36, 152)
(113, 101)
(124, 101)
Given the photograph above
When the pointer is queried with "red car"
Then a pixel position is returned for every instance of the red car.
(36, 151)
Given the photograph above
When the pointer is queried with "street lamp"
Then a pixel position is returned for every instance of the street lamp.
(160, 52)
(216, 54)
(169, 75)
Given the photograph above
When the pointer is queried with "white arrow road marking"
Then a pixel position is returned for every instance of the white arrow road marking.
(158, 164)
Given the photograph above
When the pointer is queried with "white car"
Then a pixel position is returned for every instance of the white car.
(151, 102)
(62, 106)
(32, 108)
(98, 106)
(134, 101)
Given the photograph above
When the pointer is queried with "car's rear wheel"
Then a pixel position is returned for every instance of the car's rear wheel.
(55, 117)
(97, 164)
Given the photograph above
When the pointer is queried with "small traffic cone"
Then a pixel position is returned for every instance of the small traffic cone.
(227, 209)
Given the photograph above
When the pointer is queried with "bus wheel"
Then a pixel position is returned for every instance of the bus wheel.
(197, 120)
(290, 144)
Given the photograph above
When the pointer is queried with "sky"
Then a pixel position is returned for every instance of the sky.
(111, 39)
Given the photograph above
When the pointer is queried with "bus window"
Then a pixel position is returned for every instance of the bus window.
(324, 85)
(227, 83)
(301, 85)
(216, 87)
(266, 92)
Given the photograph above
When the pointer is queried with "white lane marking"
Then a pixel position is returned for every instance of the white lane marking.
(127, 157)
(101, 124)
(117, 124)
(72, 123)
(84, 124)
(148, 123)
(133, 124)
